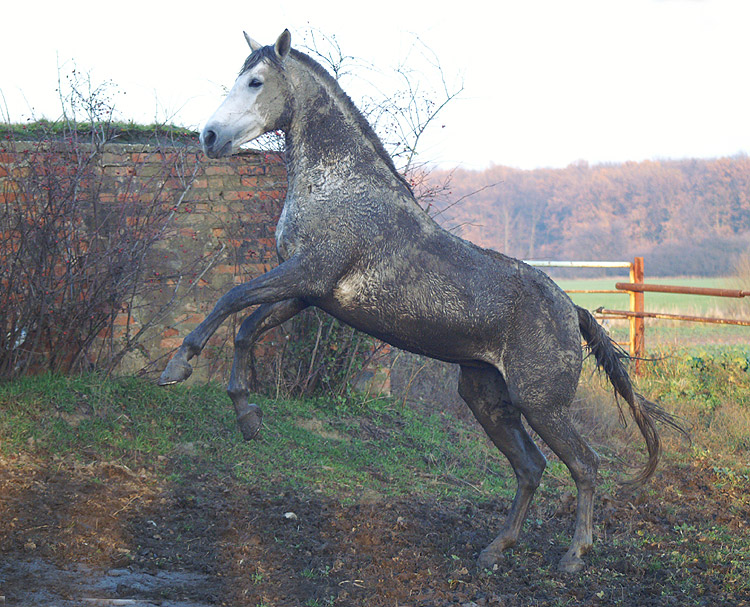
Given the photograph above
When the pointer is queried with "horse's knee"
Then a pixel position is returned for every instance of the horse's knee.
(191, 345)
(242, 342)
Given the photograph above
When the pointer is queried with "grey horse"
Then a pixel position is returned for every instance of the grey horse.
(353, 241)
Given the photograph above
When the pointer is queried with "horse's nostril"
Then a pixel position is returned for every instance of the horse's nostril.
(209, 138)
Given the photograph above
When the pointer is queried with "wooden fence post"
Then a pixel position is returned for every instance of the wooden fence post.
(637, 327)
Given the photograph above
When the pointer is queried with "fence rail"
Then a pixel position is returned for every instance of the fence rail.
(580, 264)
(665, 316)
(629, 286)
(636, 289)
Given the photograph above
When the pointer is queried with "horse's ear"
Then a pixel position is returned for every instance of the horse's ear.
(254, 46)
(283, 44)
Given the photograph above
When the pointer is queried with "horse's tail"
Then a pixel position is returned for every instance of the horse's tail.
(609, 357)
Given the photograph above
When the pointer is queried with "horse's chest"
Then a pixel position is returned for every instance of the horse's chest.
(286, 234)
(302, 225)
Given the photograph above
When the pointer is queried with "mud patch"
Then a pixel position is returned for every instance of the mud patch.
(125, 535)
(76, 584)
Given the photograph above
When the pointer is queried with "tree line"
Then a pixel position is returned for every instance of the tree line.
(687, 217)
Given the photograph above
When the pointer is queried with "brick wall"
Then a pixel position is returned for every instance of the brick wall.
(222, 233)
(227, 220)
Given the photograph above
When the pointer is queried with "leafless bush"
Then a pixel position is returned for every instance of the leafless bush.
(316, 354)
(77, 235)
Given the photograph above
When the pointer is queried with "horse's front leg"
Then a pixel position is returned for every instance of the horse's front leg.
(291, 279)
(266, 317)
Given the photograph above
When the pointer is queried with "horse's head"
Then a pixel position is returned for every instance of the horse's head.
(258, 102)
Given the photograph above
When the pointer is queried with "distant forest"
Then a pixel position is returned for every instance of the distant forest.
(686, 217)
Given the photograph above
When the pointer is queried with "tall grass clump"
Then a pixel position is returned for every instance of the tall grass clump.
(709, 387)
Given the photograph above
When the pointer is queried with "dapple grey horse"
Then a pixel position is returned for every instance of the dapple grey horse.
(353, 241)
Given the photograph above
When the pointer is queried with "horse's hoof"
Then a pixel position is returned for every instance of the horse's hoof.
(177, 370)
(250, 421)
(571, 564)
(488, 559)
(490, 556)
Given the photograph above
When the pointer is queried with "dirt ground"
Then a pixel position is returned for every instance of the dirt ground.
(105, 534)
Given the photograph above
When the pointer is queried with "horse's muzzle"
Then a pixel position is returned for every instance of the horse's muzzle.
(213, 147)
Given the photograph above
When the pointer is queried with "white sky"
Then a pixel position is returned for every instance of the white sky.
(546, 82)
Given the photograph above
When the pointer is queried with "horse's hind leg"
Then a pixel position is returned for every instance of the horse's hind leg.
(264, 318)
(486, 393)
(552, 424)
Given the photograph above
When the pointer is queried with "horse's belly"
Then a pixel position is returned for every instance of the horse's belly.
(438, 325)
(425, 338)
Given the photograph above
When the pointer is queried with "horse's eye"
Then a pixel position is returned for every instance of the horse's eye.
(254, 83)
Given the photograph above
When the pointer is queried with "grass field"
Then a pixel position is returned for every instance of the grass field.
(130, 419)
(668, 332)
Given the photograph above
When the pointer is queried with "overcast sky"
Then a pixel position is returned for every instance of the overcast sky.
(546, 82)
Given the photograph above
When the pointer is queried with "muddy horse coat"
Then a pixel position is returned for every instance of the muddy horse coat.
(353, 241)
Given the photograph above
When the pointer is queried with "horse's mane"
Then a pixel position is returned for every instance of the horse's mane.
(268, 53)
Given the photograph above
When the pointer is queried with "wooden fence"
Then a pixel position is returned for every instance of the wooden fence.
(636, 289)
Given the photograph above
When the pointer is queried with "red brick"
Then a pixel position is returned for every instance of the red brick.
(140, 157)
(231, 194)
(122, 319)
(194, 319)
(170, 343)
(224, 268)
(217, 169)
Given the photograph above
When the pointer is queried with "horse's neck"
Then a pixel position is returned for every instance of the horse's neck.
(328, 142)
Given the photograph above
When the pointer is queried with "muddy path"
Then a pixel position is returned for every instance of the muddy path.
(106, 534)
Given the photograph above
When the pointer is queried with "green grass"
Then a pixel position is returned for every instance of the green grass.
(342, 448)
(121, 132)
(710, 388)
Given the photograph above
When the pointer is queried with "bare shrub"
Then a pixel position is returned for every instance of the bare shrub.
(77, 234)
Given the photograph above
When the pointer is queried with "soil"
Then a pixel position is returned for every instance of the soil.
(106, 534)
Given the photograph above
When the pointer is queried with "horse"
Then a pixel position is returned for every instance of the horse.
(353, 241)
